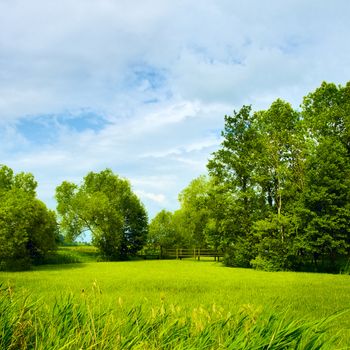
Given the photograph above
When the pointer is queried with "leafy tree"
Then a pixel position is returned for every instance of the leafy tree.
(325, 211)
(106, 206)
(218, 206)
(284, 177)
(28, 230)
(162, 231)
(325, 206)
(280, 175)
(194, 224)
(281, 135)
(194, 207)
(233, 168)
(278, 191)
(326, 112)
(22, 181)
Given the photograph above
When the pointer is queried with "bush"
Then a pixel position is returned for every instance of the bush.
(240, 254)
(27, 230)
(260, 263)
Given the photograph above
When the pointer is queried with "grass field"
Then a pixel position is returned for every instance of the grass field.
(187, 286)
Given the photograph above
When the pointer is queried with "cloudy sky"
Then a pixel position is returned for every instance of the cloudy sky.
(142, 87)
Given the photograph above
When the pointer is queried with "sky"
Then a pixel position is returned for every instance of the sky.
(142, 87)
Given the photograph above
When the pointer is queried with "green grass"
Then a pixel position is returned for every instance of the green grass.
(190, 285)
(82, 323)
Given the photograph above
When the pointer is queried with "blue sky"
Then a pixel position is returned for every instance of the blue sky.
(142, 87)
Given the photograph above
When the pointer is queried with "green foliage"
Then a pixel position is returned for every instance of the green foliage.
(286, 175)
(240, 253)
(265, 264)
(274, 241)
(197, 223)
(22, 181)
(106, 206)
(326, 202)
(234, 171)
(194, 210)
(28, 230)
(326, 112)
(162, 231)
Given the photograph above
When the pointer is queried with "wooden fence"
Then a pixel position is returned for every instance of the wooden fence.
(195, 253)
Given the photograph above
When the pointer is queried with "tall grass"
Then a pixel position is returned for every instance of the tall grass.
(82, 323)
(186, 286)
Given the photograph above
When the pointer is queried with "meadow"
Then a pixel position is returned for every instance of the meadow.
(204, 294)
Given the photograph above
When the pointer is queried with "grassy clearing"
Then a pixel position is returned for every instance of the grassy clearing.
(187, 286)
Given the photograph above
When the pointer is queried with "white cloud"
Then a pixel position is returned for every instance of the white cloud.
(158, 75)
(156, 197)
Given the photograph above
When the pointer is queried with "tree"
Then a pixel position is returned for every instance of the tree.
(280, 176)
(106, 206)
(194, 225)
(162, 231)
(325, 211)
(326, 112)
(22, 181)
(260, 168)
(233, 168)
(195, 213)
(284, 175)
(28, 230)
(325, 204)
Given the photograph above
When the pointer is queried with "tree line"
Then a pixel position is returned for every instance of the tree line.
(276, 197)
(103, 204)
(277, 192)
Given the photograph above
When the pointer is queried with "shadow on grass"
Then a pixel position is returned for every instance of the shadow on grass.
(64, 259)
(58, 267)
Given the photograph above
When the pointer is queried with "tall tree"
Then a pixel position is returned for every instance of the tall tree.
(106, 206)
(325, 215)
(280, 156)
(234, 168)
(326, 203)
(280, 175)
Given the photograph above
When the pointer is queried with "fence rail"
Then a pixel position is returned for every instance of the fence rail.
(196, 253)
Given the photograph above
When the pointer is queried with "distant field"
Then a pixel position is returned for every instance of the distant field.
(188, 285)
